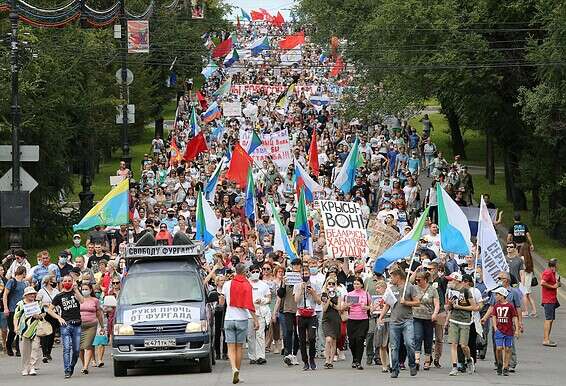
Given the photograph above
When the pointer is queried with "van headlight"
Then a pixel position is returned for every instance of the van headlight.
(123, 329)
(201, 326)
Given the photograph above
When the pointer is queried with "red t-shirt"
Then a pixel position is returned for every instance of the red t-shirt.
(548, 294)
(504, 314)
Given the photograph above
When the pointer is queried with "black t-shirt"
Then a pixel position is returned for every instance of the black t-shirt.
(69, 305)
(119, 237)
(519, 232)
(94, 260)
(66, 269)
(98, 237)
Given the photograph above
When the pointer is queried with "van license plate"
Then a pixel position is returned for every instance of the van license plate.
(159, 343)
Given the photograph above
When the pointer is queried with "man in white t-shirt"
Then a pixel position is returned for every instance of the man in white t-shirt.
(433, 239)
(317, 278)
(237, 295)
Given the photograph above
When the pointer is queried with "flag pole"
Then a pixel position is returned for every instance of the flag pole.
(409, 271)
(478, 242)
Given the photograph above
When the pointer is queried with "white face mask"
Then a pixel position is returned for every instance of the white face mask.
(254, 276)
(85, 292)
(77, 242)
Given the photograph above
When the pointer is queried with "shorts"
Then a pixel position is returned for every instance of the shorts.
(528, 281)
(3, 321)
(381, 335)
(549, 311)
(236, 331)
(458, 333)
(502, 340)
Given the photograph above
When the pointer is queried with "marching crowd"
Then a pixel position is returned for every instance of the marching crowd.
(399, 319)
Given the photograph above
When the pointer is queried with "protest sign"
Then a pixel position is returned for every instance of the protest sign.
(380, 237)
(292, 278)
(232, 109)
(162, 313)
(263, 88)
(344, 229)
(31, 309)
(275, 146)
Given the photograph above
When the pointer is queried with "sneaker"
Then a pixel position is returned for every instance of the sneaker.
(341, 356)
(312, 364)
(306, 367)
(253, 362)
(24, 373)
(402, 366)
(261, 361)
(413, 371)
(471, 367)
(394, 374)
(49, 357)
(235, 376)
(45, 360)
(67, 375)
(32, 372)
(453, 372)
(506, 372)
(511, 369)
(294, 360)
(499, 370)
(288, 361)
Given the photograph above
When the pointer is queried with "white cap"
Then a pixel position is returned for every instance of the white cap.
(501, 291)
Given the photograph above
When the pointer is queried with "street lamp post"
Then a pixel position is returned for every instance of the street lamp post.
(126, 157)
(15, 234)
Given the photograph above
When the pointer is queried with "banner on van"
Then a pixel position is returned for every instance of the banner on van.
(161, 314)
(164, 251)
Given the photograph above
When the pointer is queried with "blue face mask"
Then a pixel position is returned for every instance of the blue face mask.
(62, 260)
(313, 270)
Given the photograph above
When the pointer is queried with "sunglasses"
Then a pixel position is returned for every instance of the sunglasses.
(115, 282)
(254, 271)
(267, 269)
(510, 247)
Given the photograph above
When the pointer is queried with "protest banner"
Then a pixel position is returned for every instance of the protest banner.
(232, 109)
(292, 278)
(161, 313)
(263, 88)
(138, 36)
(380, 237)
(344, 229)
(275, 146)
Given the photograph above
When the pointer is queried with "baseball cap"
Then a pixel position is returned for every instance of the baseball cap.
(171, 210)
(76, 236)
(455, 276)
(467, 278)
(501, 291)
(426, 263)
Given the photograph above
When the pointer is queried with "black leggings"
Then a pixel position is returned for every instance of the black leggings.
(357, 332)
(12, 337)
(290, 337)
(307, 337)
(47, 341)
(219, 333)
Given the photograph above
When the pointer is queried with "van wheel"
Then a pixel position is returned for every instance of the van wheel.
(120, 369)
(205, 364)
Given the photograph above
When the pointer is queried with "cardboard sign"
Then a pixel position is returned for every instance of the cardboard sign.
(161, 313)
(380, 237)
(275, 146)
(344, 228)
(31, 309)
(232, 109)
(292, 278)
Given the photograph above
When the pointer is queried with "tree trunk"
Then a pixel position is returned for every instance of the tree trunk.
(517, 194)
(455, 132)
(490, 157)
(535, 210)
(159, 127)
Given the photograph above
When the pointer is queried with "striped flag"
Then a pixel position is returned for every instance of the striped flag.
(345, 179)
(281, 240)
(302, 225)
(207, 224)
(455, 234)
(250, 196)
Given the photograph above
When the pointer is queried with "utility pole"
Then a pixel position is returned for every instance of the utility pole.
(15, 236)
(126, 157)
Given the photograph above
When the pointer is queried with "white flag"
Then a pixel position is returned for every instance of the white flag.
(492, 257)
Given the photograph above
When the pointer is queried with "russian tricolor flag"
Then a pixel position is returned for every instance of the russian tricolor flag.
(304, 180)
(212, 113)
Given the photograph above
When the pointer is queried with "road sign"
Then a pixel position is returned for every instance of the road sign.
(28, 153)
(131, 114)
(129, 76)
(28, 182)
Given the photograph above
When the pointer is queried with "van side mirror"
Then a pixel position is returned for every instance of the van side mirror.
(212, 297)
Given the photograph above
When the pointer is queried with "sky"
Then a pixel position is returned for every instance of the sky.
(272, 6)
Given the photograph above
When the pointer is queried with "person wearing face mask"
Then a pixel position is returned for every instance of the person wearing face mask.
(19, 260)
(45, 295)
(307, 296)
(68, 302)
(386, 210)
(63, 266)
(261, 298)
(91, 318)
(77, 249)
(171, 221)
(318, 278)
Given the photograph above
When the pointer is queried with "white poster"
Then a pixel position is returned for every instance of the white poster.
(232, 109)
(344, 229)
(161, 313)
(275, 146)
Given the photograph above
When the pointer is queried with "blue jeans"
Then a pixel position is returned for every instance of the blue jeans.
(405, 329)
(71, 338)
(423, 334)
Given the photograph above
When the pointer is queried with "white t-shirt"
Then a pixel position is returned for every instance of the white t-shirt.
(233, 313)
(260, 290)
(433, 243)
(318, 280)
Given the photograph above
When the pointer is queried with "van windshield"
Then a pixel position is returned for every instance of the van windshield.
(161, 287)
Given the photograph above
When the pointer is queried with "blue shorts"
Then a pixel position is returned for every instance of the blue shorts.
(502, 340)
(236, 331)
(549, 311)
(3, 321)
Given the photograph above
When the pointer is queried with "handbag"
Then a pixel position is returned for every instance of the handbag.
(534, 281)
(305, 312)
(44, 328)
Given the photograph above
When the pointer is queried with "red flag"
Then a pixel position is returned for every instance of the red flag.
(175, 152)
(338, 67)
(313, 155)
(239, 165)
(222, 49)
(257, 15)
(202, 100)
(195, 146)
(292, 41)
(266, 15)
(278, 20)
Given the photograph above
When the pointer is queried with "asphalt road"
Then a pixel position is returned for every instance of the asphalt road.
(538, 365)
